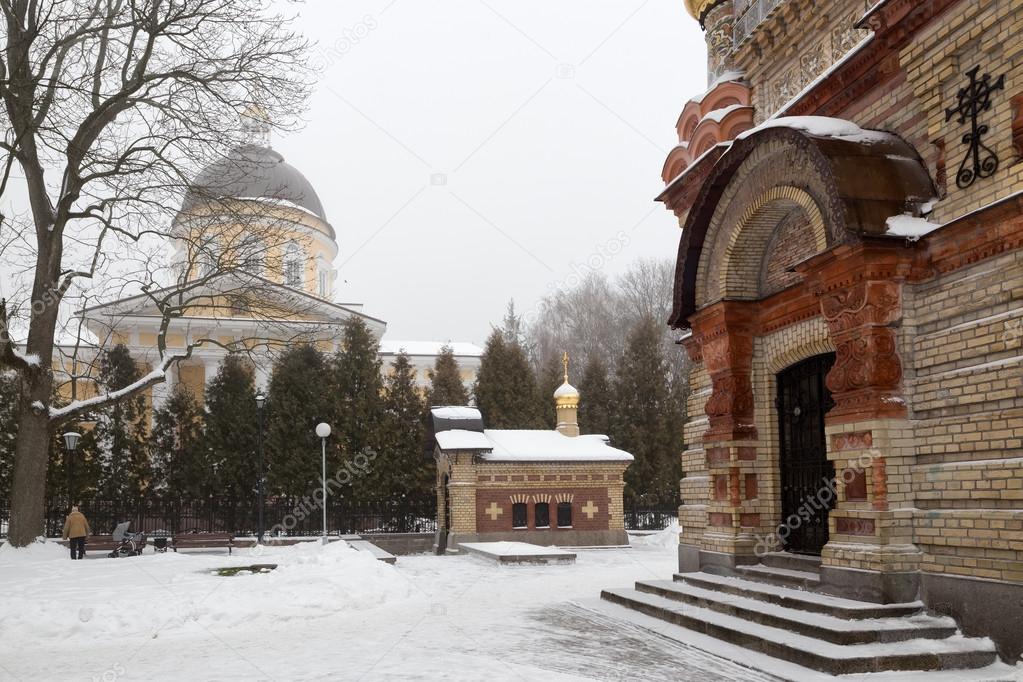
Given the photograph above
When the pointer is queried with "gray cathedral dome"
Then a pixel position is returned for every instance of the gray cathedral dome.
(254, 172)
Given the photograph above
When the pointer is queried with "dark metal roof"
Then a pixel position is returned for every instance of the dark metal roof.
(252, 172)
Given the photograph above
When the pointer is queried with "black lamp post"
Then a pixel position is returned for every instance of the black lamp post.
(260, 402)
(71, 444)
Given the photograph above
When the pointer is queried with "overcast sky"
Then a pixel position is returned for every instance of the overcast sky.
(468, 152)
(472, 151)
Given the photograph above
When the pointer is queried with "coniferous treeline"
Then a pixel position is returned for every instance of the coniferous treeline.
(633, 383)
(188, 449)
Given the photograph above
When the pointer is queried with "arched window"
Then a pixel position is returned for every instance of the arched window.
(564, 514)
(292, 266)
(519, 515)
(542, 515)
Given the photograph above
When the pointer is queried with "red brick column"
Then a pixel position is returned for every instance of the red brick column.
(725, 332)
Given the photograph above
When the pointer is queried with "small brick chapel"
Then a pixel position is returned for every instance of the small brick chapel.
(545, 487)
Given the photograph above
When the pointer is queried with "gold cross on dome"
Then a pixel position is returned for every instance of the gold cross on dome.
(590, 509)
(564, 361)
(493, 511)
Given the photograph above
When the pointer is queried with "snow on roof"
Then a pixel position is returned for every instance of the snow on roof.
(822, 126)
(393, 347)
(545, 446)
(456, 412)
(726, 77)
(566, 389)
(718, 115)
(910, 227)
(457, 439)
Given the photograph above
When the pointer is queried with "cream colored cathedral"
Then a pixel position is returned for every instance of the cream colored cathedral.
(255, 254)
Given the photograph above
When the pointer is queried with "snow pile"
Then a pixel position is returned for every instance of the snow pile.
(150, 595)
(910, 227)
(40, 550)
(665, 539)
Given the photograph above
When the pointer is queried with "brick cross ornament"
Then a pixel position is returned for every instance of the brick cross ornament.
(590, 509)
(494, 511)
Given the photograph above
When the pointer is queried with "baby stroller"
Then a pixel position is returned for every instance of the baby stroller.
(130, 544)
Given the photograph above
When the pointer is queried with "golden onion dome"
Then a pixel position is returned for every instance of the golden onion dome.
(698, 8)
(567, 395)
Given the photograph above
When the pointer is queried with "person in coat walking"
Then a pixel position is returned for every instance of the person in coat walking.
(76, 528)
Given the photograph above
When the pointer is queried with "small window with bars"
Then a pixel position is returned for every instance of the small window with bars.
(542, 515)
(519, 515)
(564, 514)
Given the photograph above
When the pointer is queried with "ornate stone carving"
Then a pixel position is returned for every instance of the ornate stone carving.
(867, 372)
(874, 303)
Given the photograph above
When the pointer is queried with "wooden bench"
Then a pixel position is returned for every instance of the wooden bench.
(97, 543)
(202, 541)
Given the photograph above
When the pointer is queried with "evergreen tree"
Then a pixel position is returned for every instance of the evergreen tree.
(180, 469)
(552, 375)
(9, 393)
(446, 386)
(227, 456)
(597, 398)
(357, 408)
(506, 392)
(644, 422)
(121, 431)
(401, 467)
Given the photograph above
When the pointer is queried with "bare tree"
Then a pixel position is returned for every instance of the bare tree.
(109, 106)
(595, 316)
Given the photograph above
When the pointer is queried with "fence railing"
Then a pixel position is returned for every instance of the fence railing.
(637, 518)
(280, 516)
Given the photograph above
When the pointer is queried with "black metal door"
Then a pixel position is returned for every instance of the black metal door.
(806, 473)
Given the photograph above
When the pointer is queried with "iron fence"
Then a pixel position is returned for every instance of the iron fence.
(637, 518)
(282, 516)
(289, 517)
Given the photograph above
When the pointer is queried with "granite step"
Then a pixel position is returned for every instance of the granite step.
(918, 654)
(783, 577)
(799, 599)
(830, 628)
(798, 562)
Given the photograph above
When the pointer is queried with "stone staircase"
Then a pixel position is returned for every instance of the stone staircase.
(770, 608)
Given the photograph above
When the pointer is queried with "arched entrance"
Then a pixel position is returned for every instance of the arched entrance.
(807, 476)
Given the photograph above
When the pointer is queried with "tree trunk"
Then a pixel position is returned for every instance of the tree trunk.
(31, 456)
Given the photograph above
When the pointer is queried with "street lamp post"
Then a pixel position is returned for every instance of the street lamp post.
(323, 430)
(260, 402)
(71, 444)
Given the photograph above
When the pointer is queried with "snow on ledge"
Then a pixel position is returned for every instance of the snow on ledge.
(910, 227)
(821, 126)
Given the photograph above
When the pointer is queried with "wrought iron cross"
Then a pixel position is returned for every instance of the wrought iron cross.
(980, 160)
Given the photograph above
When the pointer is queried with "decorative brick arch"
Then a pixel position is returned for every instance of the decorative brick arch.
(745, 253)
(776, 179)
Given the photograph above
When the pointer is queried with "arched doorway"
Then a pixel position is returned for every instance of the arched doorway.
(807, 476)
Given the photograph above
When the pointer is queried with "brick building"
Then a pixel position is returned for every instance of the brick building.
(850, 291)
(542, 487)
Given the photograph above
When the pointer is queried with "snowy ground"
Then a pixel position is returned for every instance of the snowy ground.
(333, 613)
